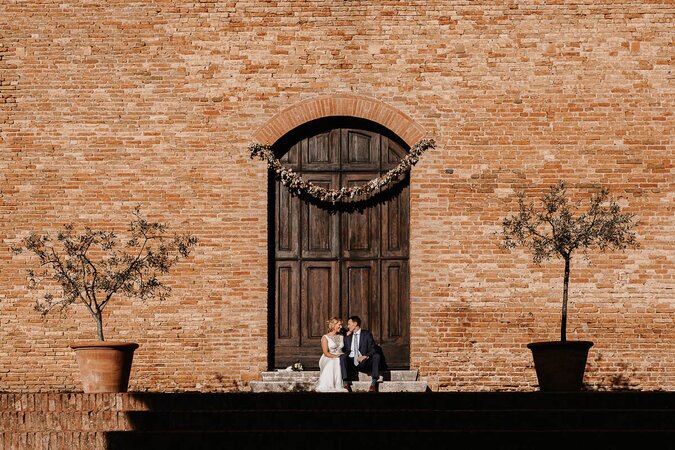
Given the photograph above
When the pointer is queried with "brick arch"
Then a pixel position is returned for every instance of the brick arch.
(339, 105)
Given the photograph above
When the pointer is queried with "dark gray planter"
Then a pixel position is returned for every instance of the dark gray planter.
(560, 365)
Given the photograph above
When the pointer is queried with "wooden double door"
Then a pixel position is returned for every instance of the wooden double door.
(340, 260)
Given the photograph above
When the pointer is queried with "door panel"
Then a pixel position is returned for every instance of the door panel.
(360, 150)
(287, 223)
(291, 158)
(322, 152)
(360, 293)
(395, 337)
(288, 303)
(320, 299)
(395, 290)
(396, 223)
(390, 153)
(320, 233)
(360, 229)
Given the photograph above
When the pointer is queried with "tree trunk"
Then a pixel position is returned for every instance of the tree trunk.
(99, 326)
(566, 283)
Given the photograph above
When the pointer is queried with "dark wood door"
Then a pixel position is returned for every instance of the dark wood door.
(340, 260)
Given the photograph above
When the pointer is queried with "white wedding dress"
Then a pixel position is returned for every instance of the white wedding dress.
(330, 379)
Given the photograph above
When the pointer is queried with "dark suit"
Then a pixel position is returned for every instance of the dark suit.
(366, 348)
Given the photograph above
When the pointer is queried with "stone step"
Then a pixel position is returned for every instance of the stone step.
(357, 386)
(392, 375)
(404, 375)
(403, 386)
(282, 386)
(391, 386)
(287, 375)
(313, 375)
(361, 386)
(368, 378)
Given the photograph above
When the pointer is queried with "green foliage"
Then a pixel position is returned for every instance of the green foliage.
(92, 266)
(557, 229)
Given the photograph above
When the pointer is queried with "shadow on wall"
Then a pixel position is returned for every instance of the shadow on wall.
(623, 380)
(617, 382)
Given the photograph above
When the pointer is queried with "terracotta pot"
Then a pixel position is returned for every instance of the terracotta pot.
(104, 366)
(560, 365)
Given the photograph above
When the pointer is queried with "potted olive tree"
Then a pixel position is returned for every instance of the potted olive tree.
(88, 268)
(556, 228)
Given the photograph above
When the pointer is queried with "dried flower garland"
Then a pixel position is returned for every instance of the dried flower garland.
(298, 186)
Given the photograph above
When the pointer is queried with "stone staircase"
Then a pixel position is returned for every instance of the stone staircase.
(289, 381)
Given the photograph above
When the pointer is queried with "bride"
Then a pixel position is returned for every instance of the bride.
(330, 379)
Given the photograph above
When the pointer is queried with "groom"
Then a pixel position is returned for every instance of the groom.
(360, 354)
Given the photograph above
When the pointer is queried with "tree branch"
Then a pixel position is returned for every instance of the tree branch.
(63, 272)
(94, 277)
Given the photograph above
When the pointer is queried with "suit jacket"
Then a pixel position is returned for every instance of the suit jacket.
(366, 344)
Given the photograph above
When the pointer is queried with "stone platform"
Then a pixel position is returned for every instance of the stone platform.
(304, 381)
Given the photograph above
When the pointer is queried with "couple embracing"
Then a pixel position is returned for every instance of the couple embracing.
(345, 353)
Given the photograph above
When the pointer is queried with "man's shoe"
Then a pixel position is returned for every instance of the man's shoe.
(347, 387)
(372, 388)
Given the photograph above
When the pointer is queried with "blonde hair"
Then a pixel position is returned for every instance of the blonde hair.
(331, 323)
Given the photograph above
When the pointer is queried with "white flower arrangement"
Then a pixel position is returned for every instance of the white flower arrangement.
(298, 186)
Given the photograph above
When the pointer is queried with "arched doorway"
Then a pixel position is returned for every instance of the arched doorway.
(344, 260)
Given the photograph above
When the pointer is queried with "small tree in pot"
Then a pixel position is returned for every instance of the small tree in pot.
(89, 268)
(558, 229)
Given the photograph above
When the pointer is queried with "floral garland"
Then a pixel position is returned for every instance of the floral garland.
(298, 186)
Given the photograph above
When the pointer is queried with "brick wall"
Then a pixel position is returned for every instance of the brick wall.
(103, 107)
